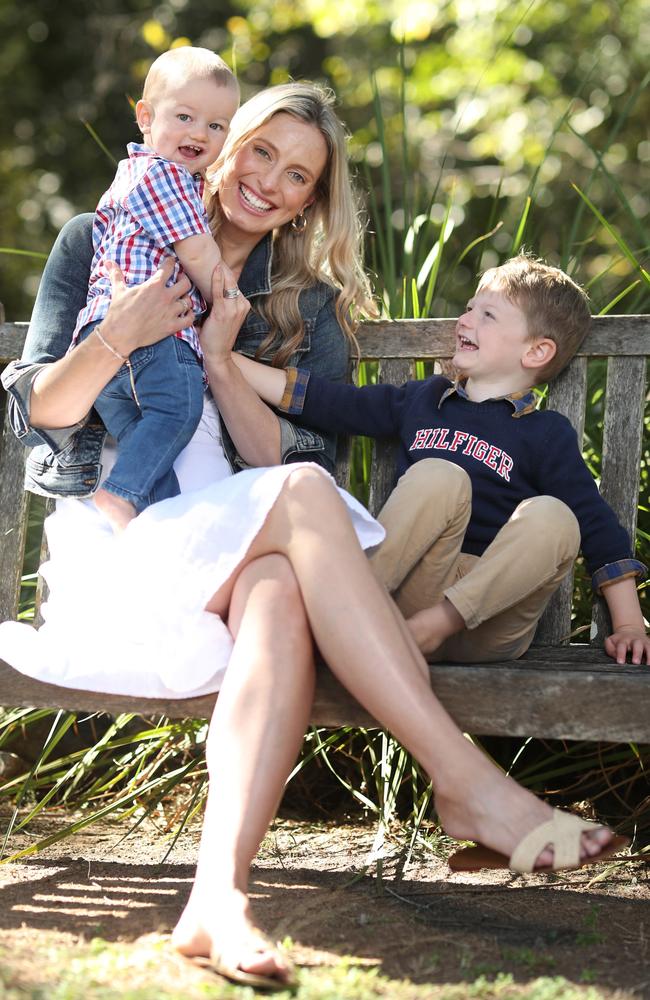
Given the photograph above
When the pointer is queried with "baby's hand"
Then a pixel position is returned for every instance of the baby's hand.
(628, 639)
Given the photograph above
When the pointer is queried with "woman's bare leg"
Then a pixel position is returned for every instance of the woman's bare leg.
(356, 631)
(254, 738)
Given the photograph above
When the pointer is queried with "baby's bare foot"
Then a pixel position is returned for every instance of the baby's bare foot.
(118, 510)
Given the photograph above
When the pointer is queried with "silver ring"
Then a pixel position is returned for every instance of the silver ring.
(230, 293)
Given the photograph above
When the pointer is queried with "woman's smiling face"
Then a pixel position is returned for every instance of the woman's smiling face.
(272, 176)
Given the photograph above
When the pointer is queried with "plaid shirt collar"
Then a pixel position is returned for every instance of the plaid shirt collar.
(521, 402)
(135, 149)
(255, 278)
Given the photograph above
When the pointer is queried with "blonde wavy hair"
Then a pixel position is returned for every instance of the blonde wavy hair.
(329, 248)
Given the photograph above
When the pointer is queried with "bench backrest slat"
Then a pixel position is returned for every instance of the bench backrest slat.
(621, 453)
(382, 469)
(434, 338)
(13, 520)
(568, 395)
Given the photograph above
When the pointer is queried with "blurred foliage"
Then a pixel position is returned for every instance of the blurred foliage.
(485, 86)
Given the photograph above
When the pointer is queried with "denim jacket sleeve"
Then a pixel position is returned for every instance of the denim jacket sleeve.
(327, 356)
(61, 294)
(324, 351)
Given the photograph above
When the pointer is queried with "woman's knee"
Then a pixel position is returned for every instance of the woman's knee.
(281, 589)
(309, 489)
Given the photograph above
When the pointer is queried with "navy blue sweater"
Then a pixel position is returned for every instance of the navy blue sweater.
(508, 459)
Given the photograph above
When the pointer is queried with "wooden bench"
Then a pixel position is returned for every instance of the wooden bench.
(556, 690)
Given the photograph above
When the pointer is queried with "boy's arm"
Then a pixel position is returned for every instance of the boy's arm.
(371, 410)
(629, 633)
(269, 383)
(199, 255)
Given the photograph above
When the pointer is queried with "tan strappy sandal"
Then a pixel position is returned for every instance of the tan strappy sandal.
(562, 833)
(226, 964)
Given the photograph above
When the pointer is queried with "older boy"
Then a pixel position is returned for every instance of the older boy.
(154, 210)
(494, 499)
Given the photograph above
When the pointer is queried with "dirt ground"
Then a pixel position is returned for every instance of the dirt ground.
(421, 926)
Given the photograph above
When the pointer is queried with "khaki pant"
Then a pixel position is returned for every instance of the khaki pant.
(501, 595)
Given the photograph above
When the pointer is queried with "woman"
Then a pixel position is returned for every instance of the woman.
(301, 574)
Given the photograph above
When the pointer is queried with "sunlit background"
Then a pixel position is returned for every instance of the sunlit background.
(483, 102)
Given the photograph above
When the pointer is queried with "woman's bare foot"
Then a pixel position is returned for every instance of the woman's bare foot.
(118, 510)
(431, 626)
(493, 810)
(224, 928)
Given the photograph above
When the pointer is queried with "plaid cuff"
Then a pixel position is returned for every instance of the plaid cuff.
(293, 398)
(615, 571)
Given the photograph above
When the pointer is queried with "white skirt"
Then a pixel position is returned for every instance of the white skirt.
(125, 613)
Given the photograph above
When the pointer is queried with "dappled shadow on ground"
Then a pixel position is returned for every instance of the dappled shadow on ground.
(429, 928)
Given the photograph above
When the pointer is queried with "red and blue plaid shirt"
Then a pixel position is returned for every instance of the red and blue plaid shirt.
(151, 204)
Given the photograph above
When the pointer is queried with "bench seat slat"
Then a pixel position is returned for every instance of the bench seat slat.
(573, 693)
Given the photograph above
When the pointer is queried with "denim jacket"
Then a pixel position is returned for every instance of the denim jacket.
(66, 462)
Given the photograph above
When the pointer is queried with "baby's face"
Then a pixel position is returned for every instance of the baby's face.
(188, 124)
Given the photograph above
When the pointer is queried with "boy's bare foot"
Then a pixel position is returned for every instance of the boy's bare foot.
(224, 927)
(433, 625)
(118, 510)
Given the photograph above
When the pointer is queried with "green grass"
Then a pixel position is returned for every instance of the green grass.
(149, 970)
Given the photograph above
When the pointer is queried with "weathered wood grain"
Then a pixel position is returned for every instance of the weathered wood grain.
(12, 338)
(567, 394)
(382, 470)
(567, 694)
(622, 439)
(433, 338)
(13, 520)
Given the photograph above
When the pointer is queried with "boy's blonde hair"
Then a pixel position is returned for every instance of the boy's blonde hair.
(175, 67)
(329, 248)
(555, 307)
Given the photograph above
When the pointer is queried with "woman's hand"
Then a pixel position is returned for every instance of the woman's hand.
(222, 324)
(140, 315)
(64, 390)
(253, 427)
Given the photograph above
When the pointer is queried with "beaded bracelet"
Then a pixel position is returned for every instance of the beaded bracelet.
(125, 361)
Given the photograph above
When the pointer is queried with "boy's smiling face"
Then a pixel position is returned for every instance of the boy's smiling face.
(492, 340)
(188, 124)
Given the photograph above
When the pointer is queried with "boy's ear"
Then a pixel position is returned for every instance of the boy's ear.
(144, 116)
(539, 353)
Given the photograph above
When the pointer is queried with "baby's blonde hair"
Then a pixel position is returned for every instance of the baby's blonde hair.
(555, 307)
(329, 248)
(188, 62)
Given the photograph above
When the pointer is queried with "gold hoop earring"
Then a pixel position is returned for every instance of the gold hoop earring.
(299, 223)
